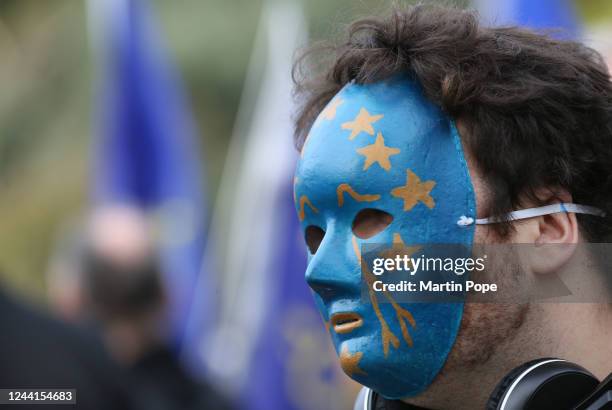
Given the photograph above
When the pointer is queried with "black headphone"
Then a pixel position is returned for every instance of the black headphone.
(542, 384)
(551, 384)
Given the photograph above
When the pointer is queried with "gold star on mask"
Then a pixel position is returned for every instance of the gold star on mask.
(350, 362)
(362, 122)
(378, 152)
(399, 248)
(415, 191)
(329, 113)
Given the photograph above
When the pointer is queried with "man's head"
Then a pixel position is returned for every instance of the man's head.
(122, 283)
(535, 121)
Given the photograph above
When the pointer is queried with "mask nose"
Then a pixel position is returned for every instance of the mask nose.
(335, 271)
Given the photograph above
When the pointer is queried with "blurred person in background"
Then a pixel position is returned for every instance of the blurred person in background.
(121, 288)
(119, 291)
(40, 352)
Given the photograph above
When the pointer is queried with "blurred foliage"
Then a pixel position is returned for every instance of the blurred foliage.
(46, 101)
(597, 12)
(44, 126)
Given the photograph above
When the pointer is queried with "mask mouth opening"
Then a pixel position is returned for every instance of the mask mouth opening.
(370, 221)
(346, 322)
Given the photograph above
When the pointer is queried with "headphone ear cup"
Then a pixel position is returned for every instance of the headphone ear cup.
(504, 384)
(540, 384)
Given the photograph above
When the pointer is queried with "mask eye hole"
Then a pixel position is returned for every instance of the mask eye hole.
(314, 236)
(369, 222)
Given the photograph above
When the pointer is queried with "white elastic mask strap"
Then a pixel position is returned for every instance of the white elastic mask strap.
(543, 210)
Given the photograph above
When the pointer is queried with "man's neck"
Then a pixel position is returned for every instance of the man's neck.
(577, 332)
(583, 333)
(467, 384)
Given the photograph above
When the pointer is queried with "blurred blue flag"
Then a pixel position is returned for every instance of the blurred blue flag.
(556, 15)
(271, 349)
(293, 365)
(145, 151)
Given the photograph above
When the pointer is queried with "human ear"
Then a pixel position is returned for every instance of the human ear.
(554, 240)
(559, 228)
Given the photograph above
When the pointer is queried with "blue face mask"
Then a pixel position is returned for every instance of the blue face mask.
(383, 146)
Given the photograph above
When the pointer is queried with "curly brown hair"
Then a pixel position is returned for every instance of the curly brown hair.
(537, 110)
